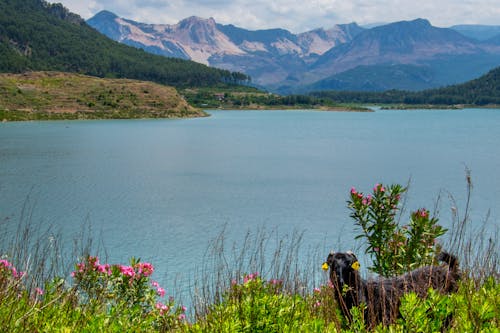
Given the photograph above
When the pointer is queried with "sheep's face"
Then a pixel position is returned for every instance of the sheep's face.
(343, 268)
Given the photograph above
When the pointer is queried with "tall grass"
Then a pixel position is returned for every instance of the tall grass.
(272, 256)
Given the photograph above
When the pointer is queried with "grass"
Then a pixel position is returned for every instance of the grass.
(55, 95)
(265, 282)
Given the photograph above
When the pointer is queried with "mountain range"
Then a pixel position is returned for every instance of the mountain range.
(408, 55)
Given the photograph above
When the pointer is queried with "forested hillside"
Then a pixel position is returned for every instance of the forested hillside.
(481, 92)
(36, 35)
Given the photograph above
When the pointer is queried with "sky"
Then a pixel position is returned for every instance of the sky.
(295, 15)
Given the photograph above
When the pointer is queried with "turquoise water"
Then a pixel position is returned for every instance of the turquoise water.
(161, 189)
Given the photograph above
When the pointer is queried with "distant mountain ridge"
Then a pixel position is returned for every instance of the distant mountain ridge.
(409, 55)
(345, 56)
(267, 56)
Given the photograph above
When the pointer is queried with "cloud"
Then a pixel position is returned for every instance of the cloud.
(296, 15)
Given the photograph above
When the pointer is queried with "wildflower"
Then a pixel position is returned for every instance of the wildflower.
(250, 277)
(93, 261)
(182, 316)
(127, 270)
(162, 307)
(145, 269)
(14, 271)
(5, 263)
(155, 284)
(317, 290)
(369, 198)
(160, 291)
(81, 267)
(39, 291)
(353, 191)
(104, 269)
(183, 308)
(275, 281)
(317, 304)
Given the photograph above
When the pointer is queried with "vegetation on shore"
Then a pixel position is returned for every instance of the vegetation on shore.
(56, 95)
(249, 98)
(250, 287)
(483, 92)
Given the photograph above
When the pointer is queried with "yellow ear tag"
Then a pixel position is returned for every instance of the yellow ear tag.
(355, 265)
(325, 266)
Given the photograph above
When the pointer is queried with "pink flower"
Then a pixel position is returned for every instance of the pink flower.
(160, 291)
(317, 304)
(5, 263)
(104, 269)
(250, 277)
(183, 308)
(145, 268)
(127, 270)
(81, 267)
(353, 190)
(317, 290)
(155, 284)
(39, 291)
(162, 307)
(93, 261)
(182, 316)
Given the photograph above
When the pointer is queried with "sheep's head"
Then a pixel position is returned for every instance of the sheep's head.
(343, 267)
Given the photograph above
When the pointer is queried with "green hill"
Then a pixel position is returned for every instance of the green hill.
(38, 36)
(56, 95)
(483, 91)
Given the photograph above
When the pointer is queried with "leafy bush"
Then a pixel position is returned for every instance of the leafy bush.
(122, 287)
(394, 249)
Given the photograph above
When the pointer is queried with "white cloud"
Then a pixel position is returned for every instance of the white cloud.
(296, 15)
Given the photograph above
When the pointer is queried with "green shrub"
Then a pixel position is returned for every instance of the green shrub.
(393, 249)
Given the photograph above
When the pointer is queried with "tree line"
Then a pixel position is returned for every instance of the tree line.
(482, 91)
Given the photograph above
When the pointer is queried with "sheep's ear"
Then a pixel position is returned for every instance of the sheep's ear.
(332, 252)
(351, 253)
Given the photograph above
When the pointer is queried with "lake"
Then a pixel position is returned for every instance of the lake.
(162, 189)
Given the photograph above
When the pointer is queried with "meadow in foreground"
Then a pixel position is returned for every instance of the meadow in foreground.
(249, 293)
